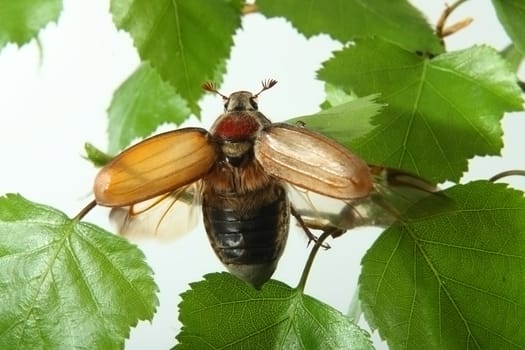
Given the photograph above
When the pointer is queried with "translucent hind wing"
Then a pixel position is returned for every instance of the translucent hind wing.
(165, 217)
(394, 192)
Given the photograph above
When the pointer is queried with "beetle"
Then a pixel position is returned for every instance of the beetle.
(241, 172)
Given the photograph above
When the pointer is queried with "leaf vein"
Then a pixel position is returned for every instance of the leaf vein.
(442, 286)
(181, 45)
(466, 248)
(483, 291)
(115, 268)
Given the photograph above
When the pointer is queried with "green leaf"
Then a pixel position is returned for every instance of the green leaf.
(513, 56)
(335, 96)
(21, 20)
(224, 312)
(186, 41)
(345, 121)
(511, 14)
(140, 105)
(96, 156)
(441, 111)
(451, 278)
(393, 20)
(67, 284)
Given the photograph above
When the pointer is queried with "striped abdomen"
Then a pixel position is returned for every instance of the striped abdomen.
(248, 230)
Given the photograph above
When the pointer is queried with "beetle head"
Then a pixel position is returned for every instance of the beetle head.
(241, 100)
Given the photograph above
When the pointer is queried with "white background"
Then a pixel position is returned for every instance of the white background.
(51, 105)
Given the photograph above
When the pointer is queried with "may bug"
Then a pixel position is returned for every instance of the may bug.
(241, 172)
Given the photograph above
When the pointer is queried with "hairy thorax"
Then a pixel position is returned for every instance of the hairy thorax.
(241, 179)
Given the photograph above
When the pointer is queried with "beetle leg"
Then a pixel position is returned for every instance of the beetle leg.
(309, 234)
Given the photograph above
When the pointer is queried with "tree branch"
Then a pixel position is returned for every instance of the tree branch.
(249, 8)
(441, 30)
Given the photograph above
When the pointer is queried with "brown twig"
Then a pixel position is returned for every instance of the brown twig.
(441, 30)
(456, 27)
(249, 8)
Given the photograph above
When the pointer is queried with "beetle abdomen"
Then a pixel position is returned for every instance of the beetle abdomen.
(246, 240)
(247, 234)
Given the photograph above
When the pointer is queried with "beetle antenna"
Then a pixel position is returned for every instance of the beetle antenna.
(209, 86)
(266, 84)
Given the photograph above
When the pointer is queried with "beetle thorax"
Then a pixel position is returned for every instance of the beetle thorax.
(236, 129)
(234, 132)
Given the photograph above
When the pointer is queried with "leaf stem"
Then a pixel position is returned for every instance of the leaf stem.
(308, 266)
(507, 173)
(85, 210)
(441, 31)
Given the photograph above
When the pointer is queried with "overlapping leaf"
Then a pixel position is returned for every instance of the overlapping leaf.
(440, 112)
(21, 20)
(511, 14)
(186, 41)
(67, 284)
(223, 312)
(335, 96)
(451, 277)
(334, 121)
(394, 20)
(513, 56)
(140, 105)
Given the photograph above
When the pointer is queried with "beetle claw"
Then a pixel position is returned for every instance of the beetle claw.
(315, 239)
